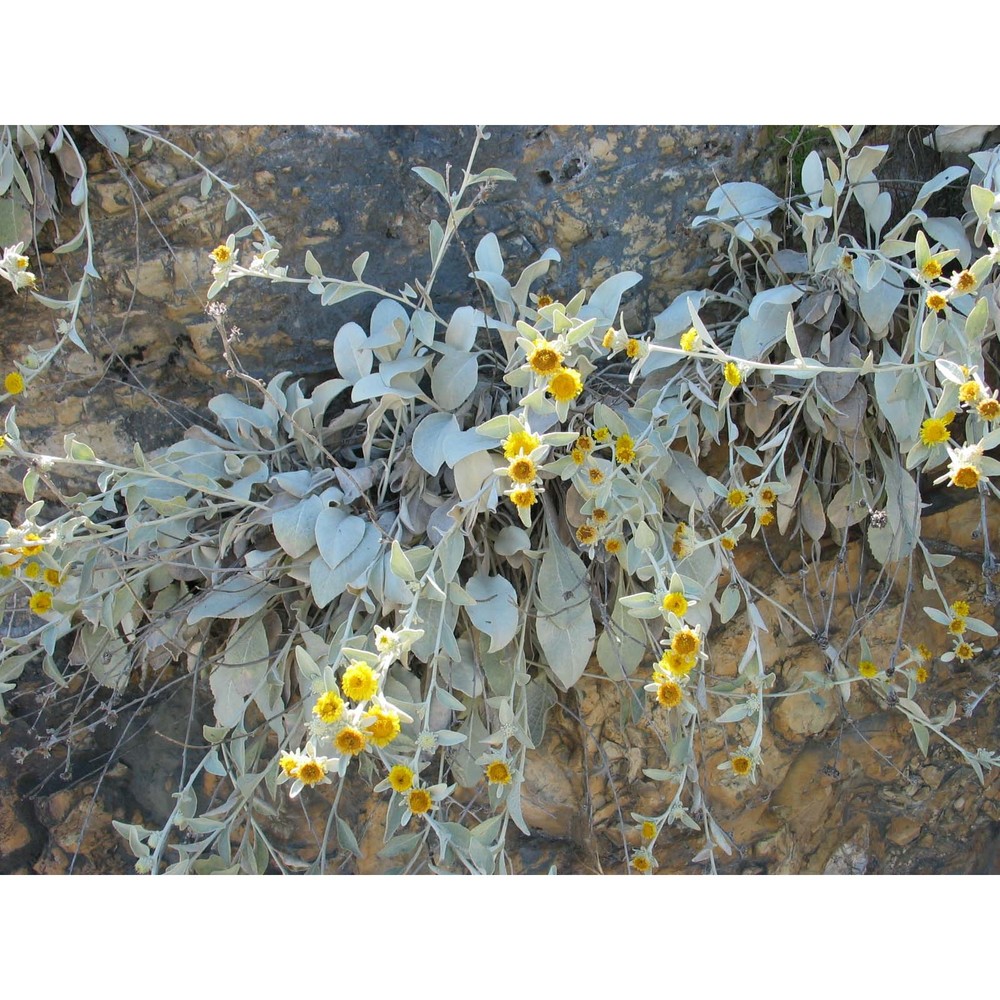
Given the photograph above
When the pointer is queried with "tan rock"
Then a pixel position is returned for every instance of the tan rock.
(903, 830)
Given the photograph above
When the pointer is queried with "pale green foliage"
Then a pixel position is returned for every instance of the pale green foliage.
(380, 524)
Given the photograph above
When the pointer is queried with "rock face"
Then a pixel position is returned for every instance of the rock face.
(843, 787)
(607, 198)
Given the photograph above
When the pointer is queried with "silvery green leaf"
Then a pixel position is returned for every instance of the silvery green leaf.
(745, 201)
(922, 734)
(980, 627)
(462, 328)
(492, 174)
(244, 664)
(495, 611)
(729, 603)
(879, 304)
(237, 597)
(812, 177)
(622, 644)
(811, 514)
(29, 483)
(339, 291)
(975, 323)
(472, 473)
(433, 178)
(448, 700)
(112, 137)
(688, 483)
(514, 808)
(215, 734)
(454, 379)
(313, 266)
(459, 444)
(738, 712)
(951, 233)
(295, 527)
(422, 324)
(351, 352)
(604, 302)
(531, 274)
(346, 839)
(765, 324)
(345, 556)
(435, 238)
(400, 564)
(564, 624)
(937, 182)
(360, 262)
(937, 616)
(864, 162)
(512, 539)
(428, 440)
(488, 256)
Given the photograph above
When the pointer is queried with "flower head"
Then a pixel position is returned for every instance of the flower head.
(222, 255)
(691, 340)
(522, 470)
(350, 741)
(921, 674)
(595, 475)
(419, 801)
(969, 392)
(586, 534)
(40, 603)
(384, 727)
(53, 577)
(14, 267)
(934, 430)
(732, 374)
(359, 682)
(736, 498)
(625, 450)
(401, 778)
(544, 359)
(931, 269)
(329, 707)
(685, 642)
(612, 546)
(963, 282)
(937, 302)
(523, 498)
(498, 773)
(669, 694)
(643, 862)
(648, 829)
(602, 435)
(520, 441)
(989, 408)
(672, 662)
(565, 385)
(867, 669)
(961, 608)
(742, 764)
(675, 602)
(14, 383)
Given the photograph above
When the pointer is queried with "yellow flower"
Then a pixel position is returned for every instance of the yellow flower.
(961, 608)
(544, 359)
(641, 862)
(964, 652)
(565, 385)
(732, 374)
(963, 282)
(498, 773)
(936, 301)
(609, 339)
(53, 578)
(689, 340)
(586, 534)
(934, 430)
(595, 475)
(676, 603)
(956, 626)
(924, 652)
(612, 546)
(648, 830)
(222, 255)
(522, 470)
(599, 515)
(673, 663)
(289, 763)
(585, 443)
(523, 498)
(36, 544)
(742, 764)
(329, 706)
(633, 348)
(310, 772)
(867, 669)
(32, 571)
(969, 392)
(685, 642)
(965, 476)
(3, 442)
(359, 681)
(989, 408)
(544, 300)
(931, 270)
(578, 456)
(520, 441)
(384, 729)
(669, 694)
(14, 383)
(765, 518)
(350, 741)
(602, 434)
(401, 778)
(40, 603)
(767, 496)
(625, 449)
(736, 498)
(921, 675)
(419, 800)
(728, 542)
